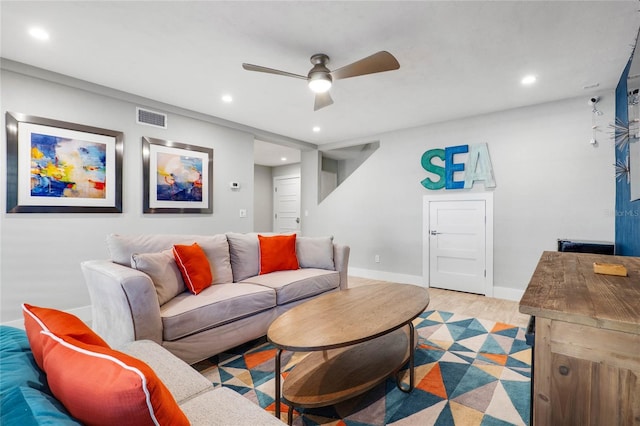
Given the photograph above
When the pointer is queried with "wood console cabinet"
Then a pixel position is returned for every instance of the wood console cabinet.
(587, 341)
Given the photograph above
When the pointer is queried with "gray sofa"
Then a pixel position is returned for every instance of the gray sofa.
(139, 294)
(198, 399)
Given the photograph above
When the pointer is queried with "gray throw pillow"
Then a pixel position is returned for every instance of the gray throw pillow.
(216, 248)
(315, 252)
(164, 273)
(244, 250)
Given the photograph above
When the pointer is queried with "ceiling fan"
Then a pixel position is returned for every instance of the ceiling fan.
(320, 77)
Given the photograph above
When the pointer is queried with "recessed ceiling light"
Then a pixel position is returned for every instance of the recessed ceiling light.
(528, 80)
(227, 99)
(38, 33)
(283, 159)
(316, 129)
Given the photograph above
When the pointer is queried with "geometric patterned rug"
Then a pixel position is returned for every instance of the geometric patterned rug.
(468, 371)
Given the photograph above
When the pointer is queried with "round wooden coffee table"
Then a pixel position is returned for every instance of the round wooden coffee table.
(358, 337)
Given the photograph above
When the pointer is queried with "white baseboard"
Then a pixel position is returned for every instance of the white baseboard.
(506, 293)
(83, 312)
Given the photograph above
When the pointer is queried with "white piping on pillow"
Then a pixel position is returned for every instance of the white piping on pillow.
(115, 360)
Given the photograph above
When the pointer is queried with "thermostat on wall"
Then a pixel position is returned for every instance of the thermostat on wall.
(234, 185)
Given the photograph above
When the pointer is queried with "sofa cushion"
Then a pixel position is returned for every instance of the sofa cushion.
(216, 247)
(315, 252)
(216, 305)
(17, 364)
(244, 250)
(26, 397)
(101, 386)
(61, 323)
(277, 253)
(224, 407)
(299, 284)
(25, 406)
(194, 266)
(180, 378)
(163, 271)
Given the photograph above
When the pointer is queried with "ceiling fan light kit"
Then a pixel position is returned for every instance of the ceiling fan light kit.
(319, 83)
(320, 78)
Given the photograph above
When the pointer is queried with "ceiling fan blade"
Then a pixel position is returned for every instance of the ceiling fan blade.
(322, 100)
(378, 62)
(251, 67)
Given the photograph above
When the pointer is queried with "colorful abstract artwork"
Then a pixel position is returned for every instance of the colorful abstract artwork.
(67, 168)
(177, 178)
(59, 167)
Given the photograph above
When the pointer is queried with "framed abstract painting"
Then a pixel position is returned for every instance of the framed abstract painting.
(59, 167)
(177, 178)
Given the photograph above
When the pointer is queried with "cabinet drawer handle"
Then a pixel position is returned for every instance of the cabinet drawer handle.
(564, 370)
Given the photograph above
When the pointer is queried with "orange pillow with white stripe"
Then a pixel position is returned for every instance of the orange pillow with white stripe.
(194, 267)
(60, 323)
(100, 386)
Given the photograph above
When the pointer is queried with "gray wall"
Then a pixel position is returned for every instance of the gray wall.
(287, 170)
(263, 199)
(551, 183)
(40, 254)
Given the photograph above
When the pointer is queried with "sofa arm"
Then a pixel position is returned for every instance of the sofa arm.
(124, 303)
(341, 262)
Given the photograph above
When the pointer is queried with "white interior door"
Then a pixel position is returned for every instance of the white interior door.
(457, 245)
(286, 204)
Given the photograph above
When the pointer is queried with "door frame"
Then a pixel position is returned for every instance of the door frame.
(487, 197)
(274, 196)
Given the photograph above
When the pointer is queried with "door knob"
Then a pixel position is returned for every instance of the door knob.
(434, 232)
(297, 220)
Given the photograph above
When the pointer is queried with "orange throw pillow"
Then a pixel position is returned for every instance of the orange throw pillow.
(277, 253)
(100, 386)
(194, 266)
(59, 323)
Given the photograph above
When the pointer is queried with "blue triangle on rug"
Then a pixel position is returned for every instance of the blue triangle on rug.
(474, 371)
(492, 421)
(415, 402)
(445, 418)
(224, 375)
(471, 332)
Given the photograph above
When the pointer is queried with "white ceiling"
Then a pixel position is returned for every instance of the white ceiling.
(272, 155)
(457, 58)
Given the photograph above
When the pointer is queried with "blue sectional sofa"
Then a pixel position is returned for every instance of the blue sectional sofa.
(26, 397)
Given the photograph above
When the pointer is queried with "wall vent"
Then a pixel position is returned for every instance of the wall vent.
(151, 118)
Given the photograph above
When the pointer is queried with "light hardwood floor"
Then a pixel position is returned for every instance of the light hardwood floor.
(472, 305)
